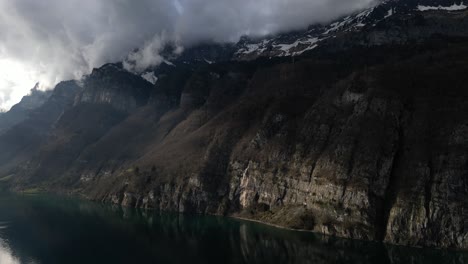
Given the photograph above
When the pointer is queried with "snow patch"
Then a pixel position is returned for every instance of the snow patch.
(453, 7)
(208, 61)
(338, 25)
(150, 77)
(169, 63)
(349, 22)
(390, 13)
(250, 48)
(365, 13)
(306, 49)
(254, 48)
(287, 48)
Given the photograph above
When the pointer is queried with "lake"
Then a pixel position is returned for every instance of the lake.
(44, 229)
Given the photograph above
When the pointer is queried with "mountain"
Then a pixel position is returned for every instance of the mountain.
(356, 129)
(389, 22)
(20, 111)
(392, 21)
(22, 140)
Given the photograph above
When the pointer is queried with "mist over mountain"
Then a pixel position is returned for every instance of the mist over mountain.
(52, 40)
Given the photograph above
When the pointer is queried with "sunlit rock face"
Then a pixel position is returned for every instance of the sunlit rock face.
(362, 136)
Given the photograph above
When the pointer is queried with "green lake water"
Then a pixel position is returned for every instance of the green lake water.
(44, 229)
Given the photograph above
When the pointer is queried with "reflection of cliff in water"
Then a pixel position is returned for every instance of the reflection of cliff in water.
(257, 243)
(295, 247)
(52, 230)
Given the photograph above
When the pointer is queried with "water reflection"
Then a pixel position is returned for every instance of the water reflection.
(51, 230)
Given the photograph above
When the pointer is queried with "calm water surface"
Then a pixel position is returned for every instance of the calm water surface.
(43, 229)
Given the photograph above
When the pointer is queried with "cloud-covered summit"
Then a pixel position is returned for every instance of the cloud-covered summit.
(52, 40)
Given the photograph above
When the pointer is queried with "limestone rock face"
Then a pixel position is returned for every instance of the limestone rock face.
(374, 153)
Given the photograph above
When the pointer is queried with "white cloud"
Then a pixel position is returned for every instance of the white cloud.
(53, 40)
(146, 56)
(16, 81)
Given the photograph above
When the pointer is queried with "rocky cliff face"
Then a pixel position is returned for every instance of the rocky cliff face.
(111, 84)
(362, 141)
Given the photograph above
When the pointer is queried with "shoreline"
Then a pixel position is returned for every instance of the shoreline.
(282, 227)
(82, 196)
(383, 243)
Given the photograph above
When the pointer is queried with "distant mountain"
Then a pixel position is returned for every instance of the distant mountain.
(356, 129)
(19, 142)
(20, 111)
(391, 21)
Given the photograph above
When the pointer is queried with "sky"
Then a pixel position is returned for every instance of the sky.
(48, 41)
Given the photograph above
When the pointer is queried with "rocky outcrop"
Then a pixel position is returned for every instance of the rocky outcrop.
(113, 85)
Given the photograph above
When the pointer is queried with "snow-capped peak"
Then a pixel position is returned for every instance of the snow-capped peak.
(294, 44)
(454, 7)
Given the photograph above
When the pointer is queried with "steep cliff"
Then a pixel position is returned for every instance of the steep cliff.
(366, 140)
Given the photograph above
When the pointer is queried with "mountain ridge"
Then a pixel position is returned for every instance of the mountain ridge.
(302, 41)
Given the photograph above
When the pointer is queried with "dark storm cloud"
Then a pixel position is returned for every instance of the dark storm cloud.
(53, 40)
